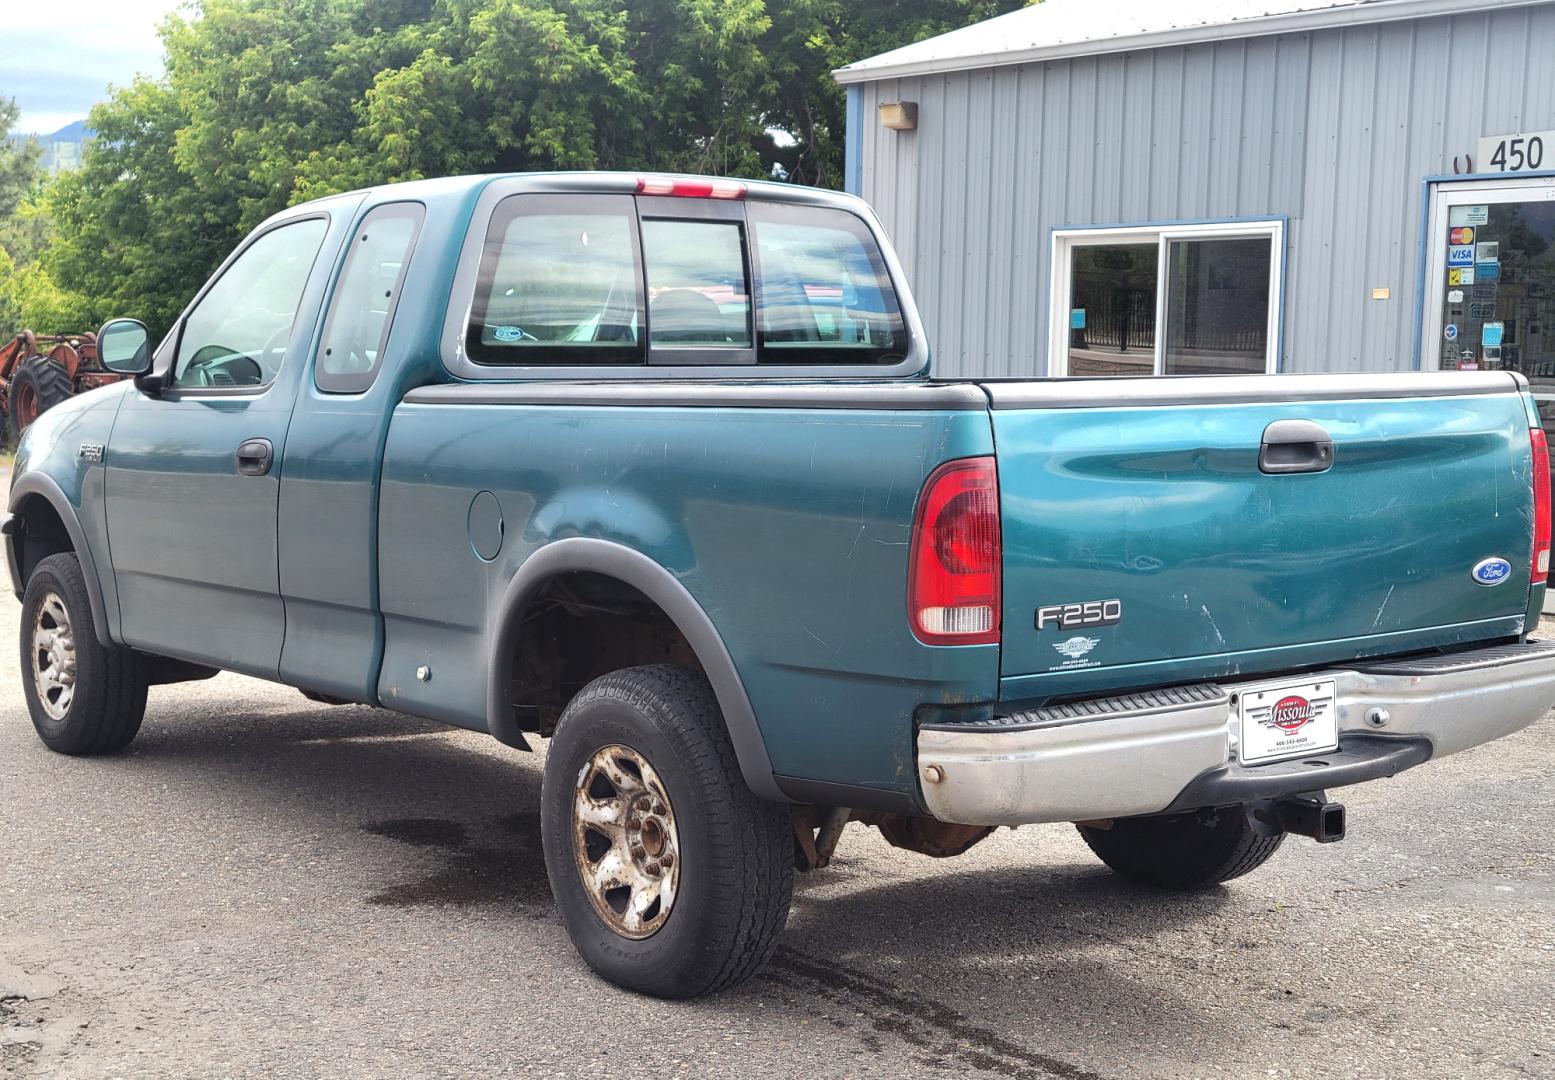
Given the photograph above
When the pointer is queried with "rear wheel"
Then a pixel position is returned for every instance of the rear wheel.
(84, 697)
(38, 385)
(1182, 851)
(672, 878)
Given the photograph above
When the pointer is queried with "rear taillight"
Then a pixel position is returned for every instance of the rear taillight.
(953, 575)
(691, 188)
(1541, 505)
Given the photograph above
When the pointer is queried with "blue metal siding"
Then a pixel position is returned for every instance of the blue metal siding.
(852, 157)
(1332, 130)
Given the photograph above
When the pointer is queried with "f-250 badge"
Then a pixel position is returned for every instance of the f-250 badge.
(1074, 616)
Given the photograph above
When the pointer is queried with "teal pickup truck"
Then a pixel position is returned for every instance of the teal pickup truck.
(653, 467)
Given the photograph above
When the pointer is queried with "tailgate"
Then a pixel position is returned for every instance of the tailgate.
(1146, 500)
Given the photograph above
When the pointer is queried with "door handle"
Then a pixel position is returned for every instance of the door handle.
(1295, 446)
(255, 456)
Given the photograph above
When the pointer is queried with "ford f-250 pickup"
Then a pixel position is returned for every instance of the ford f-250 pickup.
(653, 467)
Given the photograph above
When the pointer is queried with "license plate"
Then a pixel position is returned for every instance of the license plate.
(1287, 720)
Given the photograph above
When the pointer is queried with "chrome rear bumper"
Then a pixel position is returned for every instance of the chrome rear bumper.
(1174, 749)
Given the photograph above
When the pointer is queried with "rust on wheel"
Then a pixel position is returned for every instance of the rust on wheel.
(25, 405)
(625, 841)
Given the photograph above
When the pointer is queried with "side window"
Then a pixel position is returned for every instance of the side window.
(237, 333)
(698, 296)
(826, 297)
(559, 283)
(362, 308)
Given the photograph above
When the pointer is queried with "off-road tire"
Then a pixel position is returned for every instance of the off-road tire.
(1182, 851)
(109, 695)
(735, 850)
(45, 378)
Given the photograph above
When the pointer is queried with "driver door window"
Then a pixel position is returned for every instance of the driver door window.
(236, 335)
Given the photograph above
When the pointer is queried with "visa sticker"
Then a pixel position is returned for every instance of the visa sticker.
(1460, 255)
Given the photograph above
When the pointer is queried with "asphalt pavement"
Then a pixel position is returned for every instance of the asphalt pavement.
(261, 885)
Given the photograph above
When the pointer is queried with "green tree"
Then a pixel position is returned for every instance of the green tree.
(26, 291)
(809, 39)
(18, 161)
(265, 103)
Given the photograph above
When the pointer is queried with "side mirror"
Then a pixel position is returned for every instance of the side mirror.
(124, 347)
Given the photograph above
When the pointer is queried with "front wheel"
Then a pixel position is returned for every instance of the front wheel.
(672, 878)
(1182, 851)
(84, 697)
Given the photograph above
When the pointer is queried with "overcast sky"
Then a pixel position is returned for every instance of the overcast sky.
(59, 56)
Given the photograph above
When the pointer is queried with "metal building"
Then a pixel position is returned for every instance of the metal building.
(1115, 186)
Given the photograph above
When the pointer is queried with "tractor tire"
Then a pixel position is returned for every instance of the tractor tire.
(38, 385)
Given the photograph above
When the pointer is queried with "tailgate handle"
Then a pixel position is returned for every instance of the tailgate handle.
(1295, 446)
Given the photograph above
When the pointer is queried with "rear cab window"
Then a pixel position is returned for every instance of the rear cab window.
(607, 280)
(560, 283)
(826, 297)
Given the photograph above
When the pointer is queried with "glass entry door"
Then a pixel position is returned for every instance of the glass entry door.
(1112, 309)
(1180, 300)
(1490, 284)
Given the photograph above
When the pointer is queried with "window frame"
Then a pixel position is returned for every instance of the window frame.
(706, 211)
(1061, 286)
(173, 391)
(544, 204)
(346, 382)
(758, 279)
(458, 363)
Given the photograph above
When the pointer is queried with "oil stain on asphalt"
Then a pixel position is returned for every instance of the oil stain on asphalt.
(507, 866)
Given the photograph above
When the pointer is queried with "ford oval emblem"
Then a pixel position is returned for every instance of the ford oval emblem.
(1492, 571)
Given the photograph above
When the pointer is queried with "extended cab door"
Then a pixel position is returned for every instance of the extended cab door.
(193, 473)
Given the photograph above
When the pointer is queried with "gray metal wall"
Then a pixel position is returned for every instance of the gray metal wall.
(1334, 130)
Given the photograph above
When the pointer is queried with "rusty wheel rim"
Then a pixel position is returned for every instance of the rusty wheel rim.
(26, 405)
(625, 841)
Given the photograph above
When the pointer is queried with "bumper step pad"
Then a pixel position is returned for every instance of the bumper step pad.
(1170, 699)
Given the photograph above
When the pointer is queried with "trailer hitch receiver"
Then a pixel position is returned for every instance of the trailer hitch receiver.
(1310, 814)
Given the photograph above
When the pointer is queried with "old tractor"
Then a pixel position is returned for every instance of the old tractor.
(38, 372)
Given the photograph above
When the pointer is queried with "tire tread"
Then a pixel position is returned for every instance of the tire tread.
(111, 683)
(749, 866)
(1178, 853)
